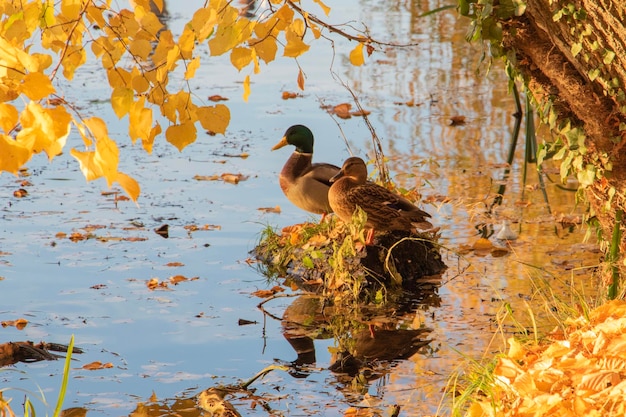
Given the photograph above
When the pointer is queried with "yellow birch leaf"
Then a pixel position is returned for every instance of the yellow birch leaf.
(140, 84)
(173, 55)
(81, 129)
(13, 57)
(139, 121)
(356, 56)
(148, 20)
(141, 48)
(181, 135)
(266, 50)
(107, 157)
(61, 126)
(36, 86)
(301, 80)
(192, 66)
(8, 117)
(70, 9)
(121, 100)
(186, 42)
(284, 16)
(12, 154)
(323, 6)
(257, 67)
(214, 118)
(226, 36)
(88, 167)
(240, 57)
(246, 88)
(129, 185)
(295, 46)
(74, 58)
(43, 61)
(97, 127)
(147, 144)
(203, 22)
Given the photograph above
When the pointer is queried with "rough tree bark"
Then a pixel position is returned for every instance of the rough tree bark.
(574, 53)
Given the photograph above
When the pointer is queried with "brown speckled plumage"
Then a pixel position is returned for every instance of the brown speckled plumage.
(385, 210)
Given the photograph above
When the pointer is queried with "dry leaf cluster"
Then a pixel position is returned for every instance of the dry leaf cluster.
(580, 374)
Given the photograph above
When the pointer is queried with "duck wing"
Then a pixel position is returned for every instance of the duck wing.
(385, 209)
(322, 172)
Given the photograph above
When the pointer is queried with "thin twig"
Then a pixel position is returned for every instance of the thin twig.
(334, 29)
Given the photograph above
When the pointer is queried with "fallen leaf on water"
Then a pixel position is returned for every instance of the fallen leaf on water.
(268, 293)
(98, 287)
(457, 120)
(93, 366)
(20, 193)
(60, 235)
(174, 264)
(217, 97)
(135, 239)
(175, 279)
(226, 177)
(26, 183)
(270, 209)
(288, 94)
(244, 322)
(361, 113)
(233, 178)
(122, 197)
(153, 284)
(342, 110)
(92, 227)
(19, 323)
(163, 230)
(206, 177)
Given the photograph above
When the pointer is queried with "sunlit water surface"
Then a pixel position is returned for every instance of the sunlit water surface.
(167, 345)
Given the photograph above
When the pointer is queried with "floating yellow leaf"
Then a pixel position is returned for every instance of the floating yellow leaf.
(356, 56)
(214, 118)
(36, 86)
(121, 100)
(246, 88)
(181, 135)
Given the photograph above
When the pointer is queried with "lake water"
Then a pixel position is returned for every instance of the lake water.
(167, 345)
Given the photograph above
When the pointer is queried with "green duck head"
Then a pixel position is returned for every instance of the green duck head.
(299, 136)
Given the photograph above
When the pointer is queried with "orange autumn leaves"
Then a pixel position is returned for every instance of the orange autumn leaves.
(139, 56)
(580, 373)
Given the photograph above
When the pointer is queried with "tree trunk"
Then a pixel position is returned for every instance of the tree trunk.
(573, 54)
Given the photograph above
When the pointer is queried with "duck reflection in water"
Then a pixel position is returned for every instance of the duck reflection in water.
(359, 344)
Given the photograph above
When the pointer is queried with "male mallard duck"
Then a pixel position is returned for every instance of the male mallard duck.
(385, 210)
(305, 184)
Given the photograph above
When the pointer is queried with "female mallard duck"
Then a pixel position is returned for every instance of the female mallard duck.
(305, 184)
(385, 210)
